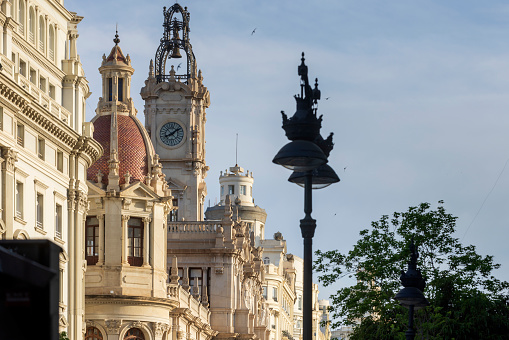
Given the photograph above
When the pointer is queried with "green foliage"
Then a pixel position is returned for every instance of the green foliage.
(467, 301)
(63, 336)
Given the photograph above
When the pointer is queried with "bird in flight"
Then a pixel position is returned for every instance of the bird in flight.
(327, 98)
(178, 66)
(253, 31)
(344, 169)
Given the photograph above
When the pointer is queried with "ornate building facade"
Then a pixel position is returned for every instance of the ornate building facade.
(125, 200)
(46, 145)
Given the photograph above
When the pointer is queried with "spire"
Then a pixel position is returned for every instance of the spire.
(116, 40)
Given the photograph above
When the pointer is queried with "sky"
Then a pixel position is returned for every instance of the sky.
(416, 93)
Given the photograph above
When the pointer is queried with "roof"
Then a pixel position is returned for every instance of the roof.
(132, 150)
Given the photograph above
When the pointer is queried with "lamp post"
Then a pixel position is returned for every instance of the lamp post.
(306, 154)
(411, 296)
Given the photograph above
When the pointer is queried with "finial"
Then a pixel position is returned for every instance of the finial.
(116, 40)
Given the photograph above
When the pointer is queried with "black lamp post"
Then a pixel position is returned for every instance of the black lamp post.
(306, 155)
(411, 296)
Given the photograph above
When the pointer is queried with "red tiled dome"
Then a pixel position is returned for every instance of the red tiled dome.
(132, 151)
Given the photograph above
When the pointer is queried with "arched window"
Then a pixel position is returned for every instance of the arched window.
(266, 260)
(31, 25)
(41, 33)
(21, 16)
(51, 43)
(134, 334)
(93, 334)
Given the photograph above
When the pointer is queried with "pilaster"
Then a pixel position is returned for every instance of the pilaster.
(125, 219)
(146, 236)
(101, 240)
(10, 157)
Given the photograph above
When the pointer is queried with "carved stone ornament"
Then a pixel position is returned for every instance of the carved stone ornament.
(219, 270)
(159, 328)
(137, 324)
(278, 236)
(113, 326)
(10, 157)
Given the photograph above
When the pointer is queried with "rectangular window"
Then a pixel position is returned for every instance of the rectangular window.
(120, 89)
(22, 68)
(41, 148)
(231, 190)
(40, 210)
(52, 91)
(33, 76)
(60, 161)
(242, 189)
(135, 242)
(264, 292)
(110, 89)
(274, 294)
(173, 215)
(19, 200)
(299, 302)
(92, 240)
(222, 190)
(58, 221)
(42, 84)
(20, 135)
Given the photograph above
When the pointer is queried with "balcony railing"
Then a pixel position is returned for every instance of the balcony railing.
(193, 227)
(43, 99)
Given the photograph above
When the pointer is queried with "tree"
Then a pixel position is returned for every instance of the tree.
(466, 300)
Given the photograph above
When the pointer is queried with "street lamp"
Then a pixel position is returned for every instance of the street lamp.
(306, 154)
(411, 296)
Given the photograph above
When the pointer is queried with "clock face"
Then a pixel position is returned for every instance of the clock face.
(171, 134)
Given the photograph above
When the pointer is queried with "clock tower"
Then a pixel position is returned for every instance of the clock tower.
(175, 103)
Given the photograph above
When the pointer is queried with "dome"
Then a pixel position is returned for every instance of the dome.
(132, 149)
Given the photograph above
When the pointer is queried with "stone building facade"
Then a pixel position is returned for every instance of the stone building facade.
(46, 146)
(125, 200)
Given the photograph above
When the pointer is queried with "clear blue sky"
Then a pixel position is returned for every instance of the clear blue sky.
(418, 101)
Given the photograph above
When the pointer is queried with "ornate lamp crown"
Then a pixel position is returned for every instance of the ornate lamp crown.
(413, 276)
(175, 38)
(304, 125)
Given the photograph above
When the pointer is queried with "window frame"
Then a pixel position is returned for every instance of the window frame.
(94, 245)
(132, 248)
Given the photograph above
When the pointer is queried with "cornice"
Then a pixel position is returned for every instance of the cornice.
(39, 118)
(129, 300)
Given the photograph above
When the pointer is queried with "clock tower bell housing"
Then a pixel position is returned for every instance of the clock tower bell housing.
(175, 103)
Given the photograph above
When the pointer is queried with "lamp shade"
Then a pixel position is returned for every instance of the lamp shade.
(322, 177)
(300, 155)
(411, 296)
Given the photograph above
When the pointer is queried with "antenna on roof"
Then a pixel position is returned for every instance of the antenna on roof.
(236, 149)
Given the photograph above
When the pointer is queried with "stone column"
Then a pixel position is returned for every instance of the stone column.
(101, 240)
(125, 218)
(10, 157)
(146, 237)
(73, 51)
(2, 36)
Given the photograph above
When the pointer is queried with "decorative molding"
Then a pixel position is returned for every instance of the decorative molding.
(40, 230)
(113, 326)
